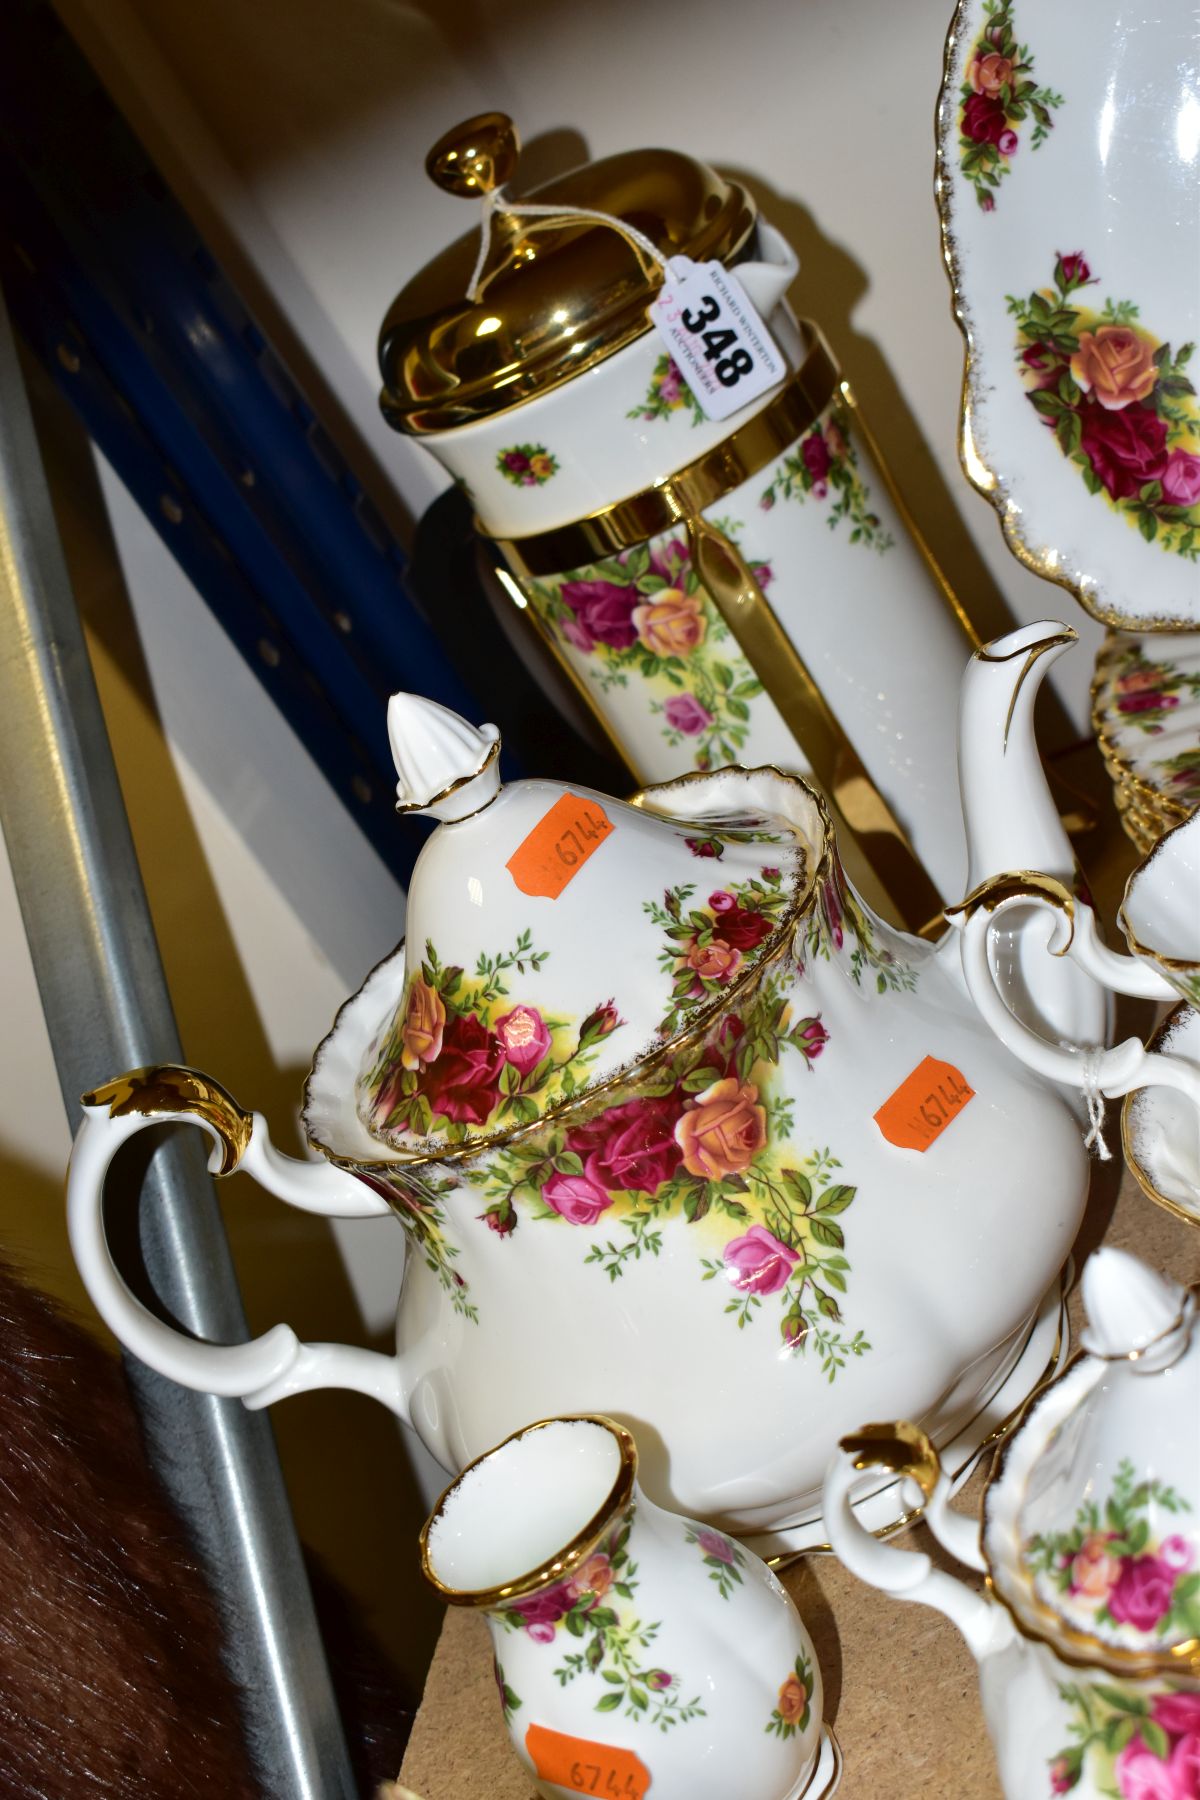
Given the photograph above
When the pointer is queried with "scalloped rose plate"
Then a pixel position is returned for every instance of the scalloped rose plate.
(1068, 183)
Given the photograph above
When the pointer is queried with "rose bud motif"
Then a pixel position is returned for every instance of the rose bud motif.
(524, 1036)
(793, 1698)
(658, 1680)
(424, 1022)
(600, 1024)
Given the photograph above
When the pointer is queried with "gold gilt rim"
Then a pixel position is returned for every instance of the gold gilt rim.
(1079, 1649)
(576, 1550)
(1186, 964)
(982, 477)
(690, 490)
(1154, 1042)
(1120, 768)
(775, 947)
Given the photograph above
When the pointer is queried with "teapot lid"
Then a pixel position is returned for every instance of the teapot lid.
(1092, 1519)
(556, 293)
(556, 937)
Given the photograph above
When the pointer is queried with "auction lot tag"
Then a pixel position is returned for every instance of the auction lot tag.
(923, 1105)
(559, 845)
(716, 339)
(586, 1768)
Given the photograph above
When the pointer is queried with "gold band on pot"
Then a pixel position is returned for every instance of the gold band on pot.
(690, 490)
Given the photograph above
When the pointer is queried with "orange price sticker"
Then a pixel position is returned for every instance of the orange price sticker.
(559, 845)
(586, 1768)
(922, 1106)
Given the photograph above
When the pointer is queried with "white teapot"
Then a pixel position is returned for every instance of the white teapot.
(677, 1129)
(1088, 1637)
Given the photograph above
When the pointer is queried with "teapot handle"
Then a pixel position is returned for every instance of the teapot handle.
(268, 1367)
(1072, 933)
(907, 1574)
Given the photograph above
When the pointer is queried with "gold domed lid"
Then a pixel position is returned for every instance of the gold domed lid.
(556, 292)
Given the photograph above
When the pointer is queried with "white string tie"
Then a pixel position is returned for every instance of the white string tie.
(1096, 1106)
(497, 201)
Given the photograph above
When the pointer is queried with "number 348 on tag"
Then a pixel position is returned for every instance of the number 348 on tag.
(716, 339)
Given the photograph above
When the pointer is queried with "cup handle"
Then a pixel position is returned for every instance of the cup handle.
(906, 1574)
(268, 1367)
(1073, 933)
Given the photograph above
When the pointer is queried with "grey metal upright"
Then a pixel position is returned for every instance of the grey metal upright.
(107, 1008)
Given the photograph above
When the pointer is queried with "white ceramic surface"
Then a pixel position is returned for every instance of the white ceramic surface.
(1091, 1545)
(855, 596)
(1073, 263)
(1160, 1127)
(634, 1631)
(704, 1239)
(1160, 916)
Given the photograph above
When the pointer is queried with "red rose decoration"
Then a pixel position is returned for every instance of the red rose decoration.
(740, 929)
(815, 452)
(464, 1082)
(983, 119)
(1126, 448)
(604, 610)
(631, 1146)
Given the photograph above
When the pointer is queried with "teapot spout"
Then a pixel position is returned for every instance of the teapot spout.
(1011, 820)
(1013, 827)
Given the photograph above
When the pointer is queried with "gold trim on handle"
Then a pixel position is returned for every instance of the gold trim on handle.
(1019, 884)
(169, 1091)
(903, 1448)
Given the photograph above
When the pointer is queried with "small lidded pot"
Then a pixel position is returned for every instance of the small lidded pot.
(1088, 1640)
(635, 1650)
(734, 590)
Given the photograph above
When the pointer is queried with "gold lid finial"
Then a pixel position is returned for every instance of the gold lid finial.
(473, 158)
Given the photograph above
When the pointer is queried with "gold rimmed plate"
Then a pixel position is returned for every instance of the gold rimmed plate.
(1146, 716)
(1066, 182)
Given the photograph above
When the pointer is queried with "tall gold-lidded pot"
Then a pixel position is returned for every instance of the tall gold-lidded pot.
(737, 590)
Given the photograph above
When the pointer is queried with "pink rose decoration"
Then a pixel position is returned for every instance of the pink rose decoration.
(524, 1036)
(1142, 1594)
(542, 1611)
(658, 1680)
(1176, 1552)
(669, 560)
(1141, 1775)
(1185, 1767)
(603, 611)
(987, 202)
(1181, 478)
(1007, 143)
(630, 1147)
(1136, 703)
(815, 452)
(575, 1198)
(719, 901)
(685, 713)
(758, 1263)
(1178, 1714)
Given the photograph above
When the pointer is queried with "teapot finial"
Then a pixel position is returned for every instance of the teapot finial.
(448, 769)
(1133, 1311)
